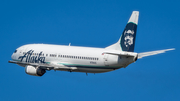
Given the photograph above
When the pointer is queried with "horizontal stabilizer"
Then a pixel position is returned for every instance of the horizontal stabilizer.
(144, 54)
(120, 53)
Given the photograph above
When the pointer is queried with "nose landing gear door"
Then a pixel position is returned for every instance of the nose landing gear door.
(106, 59)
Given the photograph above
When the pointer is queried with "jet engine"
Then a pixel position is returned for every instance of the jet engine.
(35, 71)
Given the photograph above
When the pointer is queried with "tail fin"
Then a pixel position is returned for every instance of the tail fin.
(127, 39)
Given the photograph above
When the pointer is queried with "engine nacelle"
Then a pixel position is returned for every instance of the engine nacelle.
(35, 71)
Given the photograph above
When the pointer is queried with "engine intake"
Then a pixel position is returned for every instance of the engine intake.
(35, 71)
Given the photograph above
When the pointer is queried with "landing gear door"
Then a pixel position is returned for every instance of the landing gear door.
(106, 59)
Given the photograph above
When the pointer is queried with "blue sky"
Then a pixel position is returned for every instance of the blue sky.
(91, 23)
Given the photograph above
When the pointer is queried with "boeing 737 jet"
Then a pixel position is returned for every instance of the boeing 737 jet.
(38, 58)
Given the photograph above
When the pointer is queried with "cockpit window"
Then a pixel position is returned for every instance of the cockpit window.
(15, 51)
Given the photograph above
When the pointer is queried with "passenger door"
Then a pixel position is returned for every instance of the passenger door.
(106, 59)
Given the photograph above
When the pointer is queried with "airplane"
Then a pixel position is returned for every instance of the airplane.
(39, 58)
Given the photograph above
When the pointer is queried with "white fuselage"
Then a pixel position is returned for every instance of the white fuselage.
(71, 58)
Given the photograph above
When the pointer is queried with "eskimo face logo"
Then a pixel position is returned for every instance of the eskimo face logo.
(128, 38)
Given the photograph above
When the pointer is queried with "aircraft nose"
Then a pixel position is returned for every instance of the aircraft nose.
(12, 56)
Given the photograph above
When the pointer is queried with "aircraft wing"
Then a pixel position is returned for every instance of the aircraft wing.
(144, 54)
(43, 66)
(46, 66)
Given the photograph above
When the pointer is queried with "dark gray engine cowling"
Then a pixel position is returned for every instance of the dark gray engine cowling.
(35, 71)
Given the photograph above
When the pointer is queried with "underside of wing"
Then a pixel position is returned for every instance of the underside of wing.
(144, 54)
